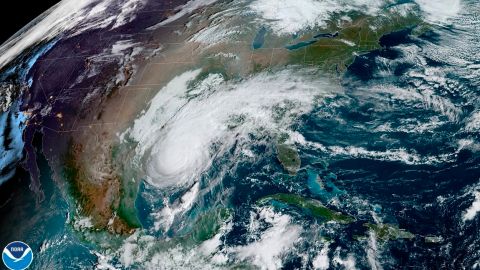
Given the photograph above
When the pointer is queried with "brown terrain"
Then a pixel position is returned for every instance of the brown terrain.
(96, 175)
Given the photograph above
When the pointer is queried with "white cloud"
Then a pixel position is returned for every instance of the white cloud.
(267, 252)
(183, 10)
(439, 11)
(474, 209)
(69, 17)
(186, 128)
(291, 16)
(322, 261)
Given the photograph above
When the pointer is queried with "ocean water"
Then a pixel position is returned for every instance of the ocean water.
(398, 145)
(43, 226)
(394, 148)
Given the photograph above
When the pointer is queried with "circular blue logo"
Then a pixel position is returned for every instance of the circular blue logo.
(17, 256)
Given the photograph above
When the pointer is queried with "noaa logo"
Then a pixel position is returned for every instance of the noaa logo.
(17, 256)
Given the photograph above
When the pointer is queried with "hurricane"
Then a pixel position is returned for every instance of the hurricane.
(259, 134)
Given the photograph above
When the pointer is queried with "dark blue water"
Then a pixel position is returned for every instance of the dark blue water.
(311, 41)
(425, 196)
(259, 38)
(301, 44)
(326, 35)
(23, 219)
(410, 193)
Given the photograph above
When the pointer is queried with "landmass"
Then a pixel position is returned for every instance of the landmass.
(313, 207)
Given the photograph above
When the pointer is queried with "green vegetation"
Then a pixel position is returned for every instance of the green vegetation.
(105, 202)
(209, 224)
(386, 232)
(313, 207)
(128, 190)
(288, 156)
(360, 35)
(126, 208)
(431, 239)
